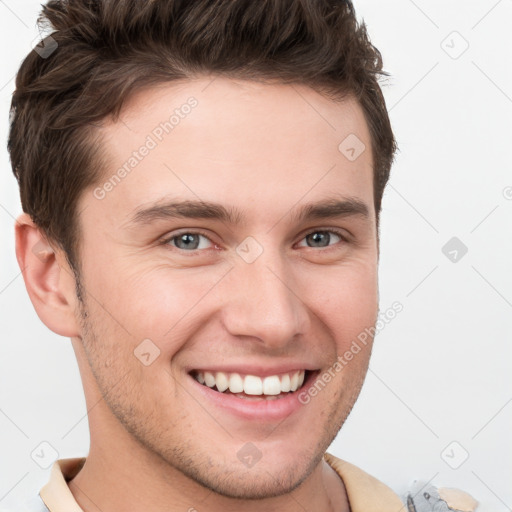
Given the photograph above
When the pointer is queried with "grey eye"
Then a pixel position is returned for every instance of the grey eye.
(321, 238)
(190, 241)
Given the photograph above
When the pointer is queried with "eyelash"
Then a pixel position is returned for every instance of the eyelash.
(169, 239)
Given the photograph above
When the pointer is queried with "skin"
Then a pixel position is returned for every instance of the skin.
(156, 443)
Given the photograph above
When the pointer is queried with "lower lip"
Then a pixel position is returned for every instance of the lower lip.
(264, 410)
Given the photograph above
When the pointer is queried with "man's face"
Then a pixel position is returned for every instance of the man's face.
(266, 293)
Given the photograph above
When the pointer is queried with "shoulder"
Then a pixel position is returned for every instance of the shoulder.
(367, 493)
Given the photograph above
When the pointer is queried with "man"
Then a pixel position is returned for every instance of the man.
(201, 184)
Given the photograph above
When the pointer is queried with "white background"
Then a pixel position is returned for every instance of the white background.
(440, 371)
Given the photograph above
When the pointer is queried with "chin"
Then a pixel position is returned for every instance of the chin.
(280, 474)
(253, 484)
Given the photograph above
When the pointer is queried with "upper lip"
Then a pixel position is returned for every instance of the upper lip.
(261, 370)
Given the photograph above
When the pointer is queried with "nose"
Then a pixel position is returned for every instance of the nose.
(262, 301)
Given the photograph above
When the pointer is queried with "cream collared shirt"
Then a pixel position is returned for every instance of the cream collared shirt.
(365, 493)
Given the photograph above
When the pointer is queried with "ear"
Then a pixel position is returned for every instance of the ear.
(48, 278)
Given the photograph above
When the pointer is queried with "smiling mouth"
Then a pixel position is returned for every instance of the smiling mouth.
(253, 387)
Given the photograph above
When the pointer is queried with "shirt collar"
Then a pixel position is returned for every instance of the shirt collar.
(365, 493)
(56, 494)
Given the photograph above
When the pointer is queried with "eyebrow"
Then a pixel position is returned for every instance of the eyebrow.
(324, 209)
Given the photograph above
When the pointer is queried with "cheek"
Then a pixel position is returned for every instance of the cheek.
(345, 298)
(158, 303)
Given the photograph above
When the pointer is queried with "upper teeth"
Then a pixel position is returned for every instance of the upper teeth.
(252, 384)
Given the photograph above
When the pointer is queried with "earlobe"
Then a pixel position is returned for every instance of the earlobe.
(49, 281)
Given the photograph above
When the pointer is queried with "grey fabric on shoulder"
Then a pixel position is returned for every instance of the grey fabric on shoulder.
(424, 497)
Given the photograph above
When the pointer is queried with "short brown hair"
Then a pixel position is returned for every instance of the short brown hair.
(105, 50)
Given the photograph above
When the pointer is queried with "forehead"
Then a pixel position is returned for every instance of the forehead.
(243, 143)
